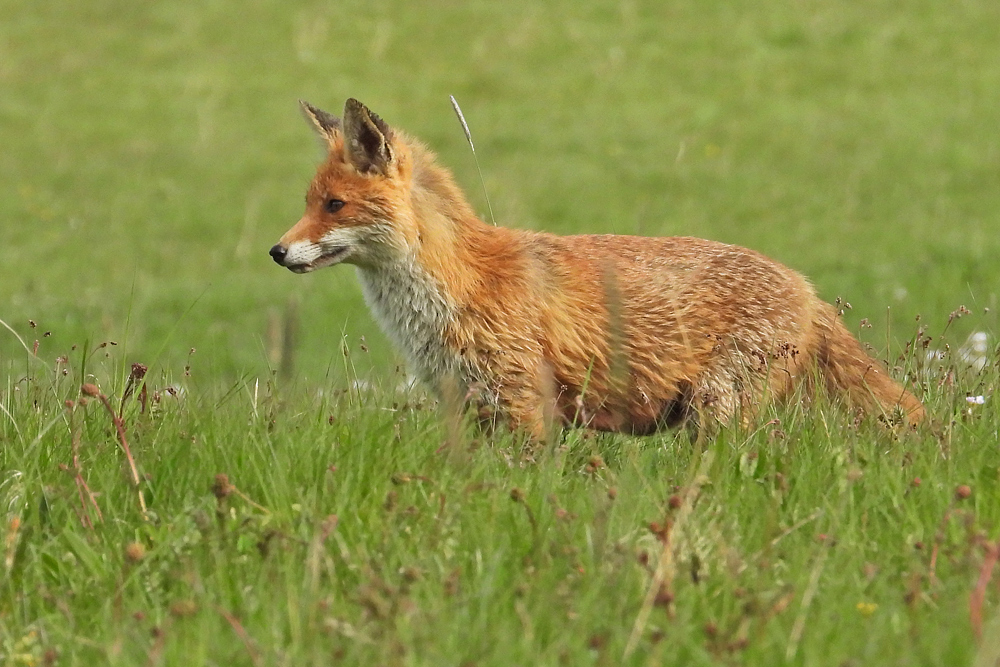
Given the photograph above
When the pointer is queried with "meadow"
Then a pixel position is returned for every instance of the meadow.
(272, 491)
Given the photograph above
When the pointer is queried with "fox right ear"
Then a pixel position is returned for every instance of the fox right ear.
(367, 139)
(326, 125)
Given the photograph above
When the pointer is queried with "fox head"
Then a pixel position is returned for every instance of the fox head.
(357, 206)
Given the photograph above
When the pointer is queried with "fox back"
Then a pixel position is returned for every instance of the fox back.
(617, 333)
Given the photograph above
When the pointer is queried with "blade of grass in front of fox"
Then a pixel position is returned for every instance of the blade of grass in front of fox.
(619, 373)
(468, 136)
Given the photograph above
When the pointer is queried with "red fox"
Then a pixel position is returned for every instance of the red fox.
(615, 333)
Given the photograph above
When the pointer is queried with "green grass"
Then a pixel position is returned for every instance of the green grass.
(347, 530)
(152, 153)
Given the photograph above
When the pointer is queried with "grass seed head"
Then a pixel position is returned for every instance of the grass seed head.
(184, 608)
(221, 488)
(664, 596)
(135, 552)
(594, 464)
(390, 501)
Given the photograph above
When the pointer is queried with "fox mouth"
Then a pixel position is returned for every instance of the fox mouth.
(329, 258)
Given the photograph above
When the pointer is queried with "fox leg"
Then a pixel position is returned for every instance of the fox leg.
(524, 410)
(529, 422)
(529, 400)
(744, 384)
(716, 399)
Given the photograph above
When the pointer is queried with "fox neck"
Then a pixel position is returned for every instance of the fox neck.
(416, 298)
(415, 313)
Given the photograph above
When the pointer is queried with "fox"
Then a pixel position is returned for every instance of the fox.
(614, 333)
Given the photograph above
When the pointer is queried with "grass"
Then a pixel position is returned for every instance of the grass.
(153, 153)
(303, 527)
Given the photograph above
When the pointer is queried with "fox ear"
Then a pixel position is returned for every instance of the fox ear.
(326, 125)
(367, 139)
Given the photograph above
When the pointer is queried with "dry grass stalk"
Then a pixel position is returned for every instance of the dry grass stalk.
(979, 592)
(92, 391)
(666, 568)
(468, 136)
(81, 484)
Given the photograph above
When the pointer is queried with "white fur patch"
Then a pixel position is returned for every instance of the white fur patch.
(336, 246)
(302, 253)
(406, 301)
(413, 311)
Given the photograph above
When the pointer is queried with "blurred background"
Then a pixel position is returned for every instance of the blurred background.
(151, 153)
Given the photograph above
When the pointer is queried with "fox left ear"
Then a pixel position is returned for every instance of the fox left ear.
(367, 139)
(326, 125)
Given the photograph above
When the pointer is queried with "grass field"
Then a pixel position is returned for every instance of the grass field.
(151, 153)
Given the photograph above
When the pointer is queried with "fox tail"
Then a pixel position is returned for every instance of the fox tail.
(853, 375)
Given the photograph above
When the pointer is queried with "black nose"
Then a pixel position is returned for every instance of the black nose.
(278, 253)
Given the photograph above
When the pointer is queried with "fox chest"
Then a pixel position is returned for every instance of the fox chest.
(416, 316)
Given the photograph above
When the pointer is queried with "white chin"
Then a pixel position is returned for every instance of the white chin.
(335, 256)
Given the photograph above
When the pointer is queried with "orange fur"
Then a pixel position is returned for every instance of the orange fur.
(617, 333)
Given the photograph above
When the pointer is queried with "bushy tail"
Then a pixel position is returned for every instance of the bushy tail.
(851, 374)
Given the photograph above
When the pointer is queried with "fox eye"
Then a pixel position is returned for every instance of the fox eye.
(332, 205)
